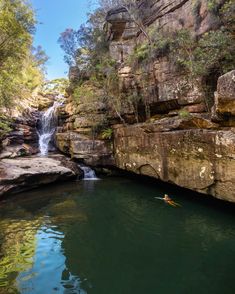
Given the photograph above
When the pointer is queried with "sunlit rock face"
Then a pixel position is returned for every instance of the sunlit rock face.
(23, 138)
(21, 174)
(90, 151)
(157, 79)
(225, 95)
(194, 148)
(178, 14)
(195, 152)
(199, 159)
(77, 132)
(45, 101)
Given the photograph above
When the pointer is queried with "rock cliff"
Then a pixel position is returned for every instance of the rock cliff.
(186, 134)
(20, 138)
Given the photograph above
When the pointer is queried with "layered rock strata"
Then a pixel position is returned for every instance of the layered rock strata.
(183, 142)
(22, 139)
(202, 160)
(191, 152)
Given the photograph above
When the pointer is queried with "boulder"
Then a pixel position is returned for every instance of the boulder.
(18, 151)
(45, 101)
(21, 174)
(225, 95)
(92, 152)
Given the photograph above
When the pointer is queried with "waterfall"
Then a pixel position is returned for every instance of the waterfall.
(47, 128)
(89, 174)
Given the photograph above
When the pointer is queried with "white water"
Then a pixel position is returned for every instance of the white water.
(48, 127)
(89, 174)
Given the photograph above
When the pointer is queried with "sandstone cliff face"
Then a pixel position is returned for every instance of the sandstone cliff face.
(23, 139)
(157, 80)
(198, 159)
(183, 142)
(191, 152)
(76, 134)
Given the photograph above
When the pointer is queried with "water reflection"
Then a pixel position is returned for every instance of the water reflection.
(31, 252)
(49, 267)
(18, 244)
(111, 236)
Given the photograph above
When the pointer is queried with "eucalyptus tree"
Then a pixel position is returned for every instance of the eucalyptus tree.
(20, 67)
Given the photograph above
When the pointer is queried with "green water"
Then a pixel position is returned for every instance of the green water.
(113, 237)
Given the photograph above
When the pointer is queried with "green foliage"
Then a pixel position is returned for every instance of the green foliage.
(213, 5)
(5, 125)
(21, 66)
(100, 128)
(142, 52)
(184, 114)
(83, 93)
(227, 14)
(196, 7)
(213, 51)
(85, 47)
(159, 46)
(197, 57)
(107, 134)
(56, 86)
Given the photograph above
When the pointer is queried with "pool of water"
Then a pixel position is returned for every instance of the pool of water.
(113, 237)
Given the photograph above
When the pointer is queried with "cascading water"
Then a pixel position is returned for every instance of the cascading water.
(89, 174)
(47, 128)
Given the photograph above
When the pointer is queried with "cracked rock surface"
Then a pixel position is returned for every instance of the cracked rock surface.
(20, 174)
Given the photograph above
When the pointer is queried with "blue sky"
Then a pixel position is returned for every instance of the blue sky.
(54, 17)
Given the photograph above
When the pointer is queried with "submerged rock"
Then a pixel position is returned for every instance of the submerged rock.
(21, 174)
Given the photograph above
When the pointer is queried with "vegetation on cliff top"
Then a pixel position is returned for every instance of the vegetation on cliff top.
(197, 57)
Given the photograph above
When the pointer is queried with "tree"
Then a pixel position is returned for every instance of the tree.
(56, 86)
(21, 66)
(71, 41)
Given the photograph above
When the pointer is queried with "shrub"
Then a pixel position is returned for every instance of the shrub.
(107, 134)
(5, 125)
(184, 114)
(83, 93)
(227, 13)
(214, 51)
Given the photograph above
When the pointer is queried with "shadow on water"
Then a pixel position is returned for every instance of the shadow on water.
(113, 236)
